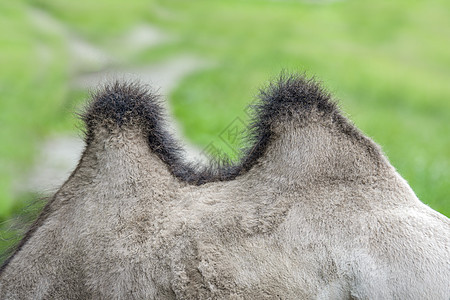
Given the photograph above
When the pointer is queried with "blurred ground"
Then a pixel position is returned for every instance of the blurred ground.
(387, 63)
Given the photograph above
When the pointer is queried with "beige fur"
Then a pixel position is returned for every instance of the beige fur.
(321, 215)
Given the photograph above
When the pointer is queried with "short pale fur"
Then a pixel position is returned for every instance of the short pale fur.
(319, 213)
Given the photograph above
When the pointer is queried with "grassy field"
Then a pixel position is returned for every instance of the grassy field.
(387, 62)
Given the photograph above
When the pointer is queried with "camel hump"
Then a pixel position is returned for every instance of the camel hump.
(124, 106)
(297, 120)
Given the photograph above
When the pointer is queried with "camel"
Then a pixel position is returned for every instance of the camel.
(312, 210)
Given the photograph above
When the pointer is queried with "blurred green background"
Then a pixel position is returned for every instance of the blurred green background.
(388, 63)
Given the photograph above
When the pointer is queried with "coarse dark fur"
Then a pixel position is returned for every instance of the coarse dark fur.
(312, 209)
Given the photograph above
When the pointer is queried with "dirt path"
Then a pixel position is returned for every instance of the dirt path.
(59, 155)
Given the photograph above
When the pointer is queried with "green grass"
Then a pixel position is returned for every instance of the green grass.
(387, 63)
